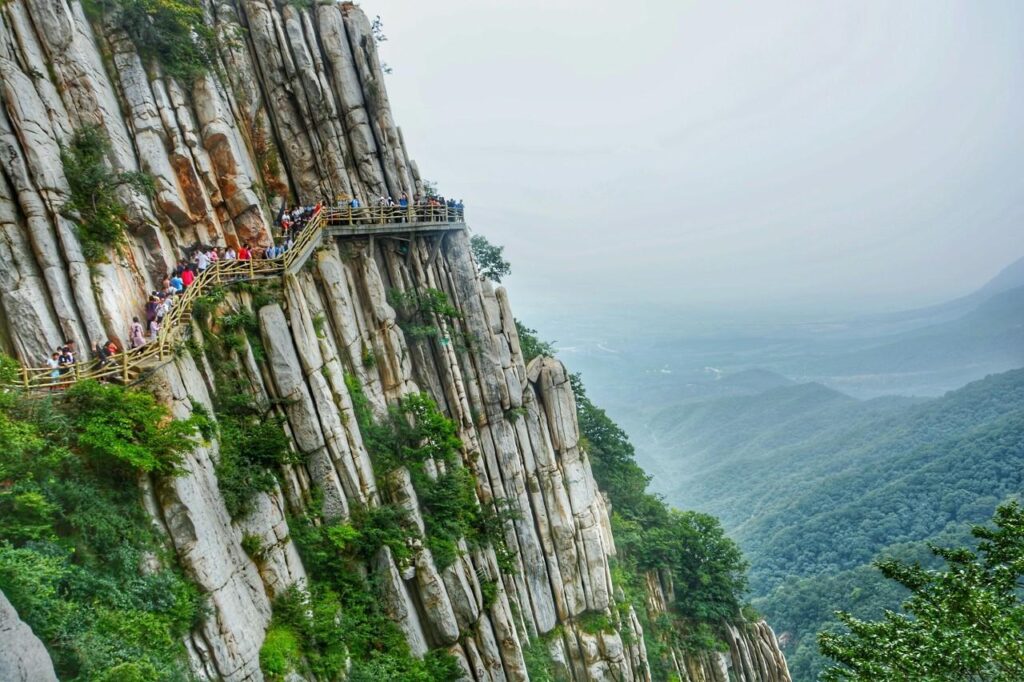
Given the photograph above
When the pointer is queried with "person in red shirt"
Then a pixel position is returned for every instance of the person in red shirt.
(187, 277)
(243, 252)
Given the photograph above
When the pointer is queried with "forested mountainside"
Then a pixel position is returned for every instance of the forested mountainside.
(353, 470)
(815, 485)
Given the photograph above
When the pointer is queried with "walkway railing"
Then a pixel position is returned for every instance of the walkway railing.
(127, 365)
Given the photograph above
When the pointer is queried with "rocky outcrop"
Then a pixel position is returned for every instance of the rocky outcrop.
(753, 653)
(23, 658)
(296, 111)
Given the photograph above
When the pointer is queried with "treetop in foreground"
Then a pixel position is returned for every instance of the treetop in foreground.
(964, 622)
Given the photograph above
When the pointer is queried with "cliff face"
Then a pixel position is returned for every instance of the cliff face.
(296, 107)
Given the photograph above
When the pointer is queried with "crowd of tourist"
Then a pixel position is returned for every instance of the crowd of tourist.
(62, 360)
(425, 200)
(199, 258)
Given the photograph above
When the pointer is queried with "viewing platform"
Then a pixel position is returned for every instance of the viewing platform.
(128, 365)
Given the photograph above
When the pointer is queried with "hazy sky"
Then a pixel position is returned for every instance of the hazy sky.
(722, 154)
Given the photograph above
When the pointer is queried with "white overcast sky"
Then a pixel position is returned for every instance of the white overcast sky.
(866, 154)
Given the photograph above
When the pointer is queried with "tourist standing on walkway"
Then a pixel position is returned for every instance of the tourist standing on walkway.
(102, 355)
(136, 335)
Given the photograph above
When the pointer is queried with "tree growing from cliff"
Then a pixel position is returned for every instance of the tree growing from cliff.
(964, 622)
(489, 258)
(172, 33)
(94, 201)
(531, 345)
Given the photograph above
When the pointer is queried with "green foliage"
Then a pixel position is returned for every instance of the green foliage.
(489, 592)
(489, 258)
(10, 373)
(706, 566)
(963, 622)
(73, 532)
(253, 443)
(885, 481)
(280, 651)
(514, 413)
(413, 433)
(419, 311)
(450, 512)
(335, 555)
(251, 448)
(126, 429)
(169, 32)
(204, 306)
(319, 323)
(531, 345)
(101, 217)
(253, 546)
(595, 622)
(540, 666)
(263, 292)
(659, 633)
(384, 526)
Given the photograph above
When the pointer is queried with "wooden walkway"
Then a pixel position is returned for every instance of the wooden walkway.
(129, 365)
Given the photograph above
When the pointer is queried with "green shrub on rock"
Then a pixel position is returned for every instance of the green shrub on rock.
(279, 652)
(74, 532)
(101, 217)
(172, 33)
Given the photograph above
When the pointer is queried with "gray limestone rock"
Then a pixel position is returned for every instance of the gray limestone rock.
(23, 658)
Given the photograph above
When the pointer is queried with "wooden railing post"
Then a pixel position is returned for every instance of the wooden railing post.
(124, 365)
(24, 376)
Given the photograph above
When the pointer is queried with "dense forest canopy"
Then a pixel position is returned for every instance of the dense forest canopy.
(818, 486)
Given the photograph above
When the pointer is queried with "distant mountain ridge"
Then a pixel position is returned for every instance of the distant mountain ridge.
(1010, 277)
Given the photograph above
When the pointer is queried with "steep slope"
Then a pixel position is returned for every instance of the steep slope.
(476, 528)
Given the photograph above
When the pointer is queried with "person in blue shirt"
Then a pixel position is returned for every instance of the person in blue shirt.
(355, 202)
(177, 283)
(403, 200)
